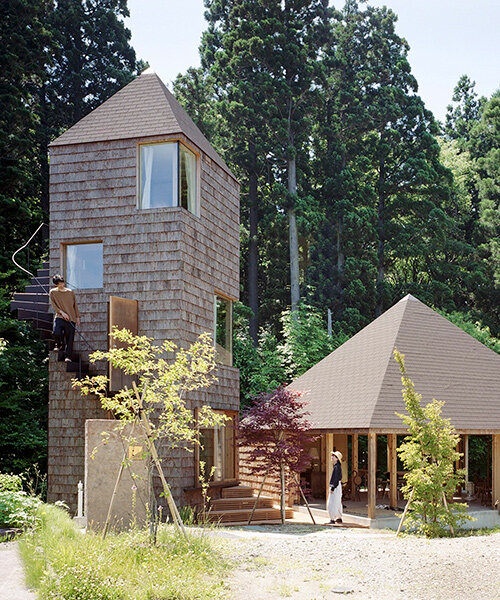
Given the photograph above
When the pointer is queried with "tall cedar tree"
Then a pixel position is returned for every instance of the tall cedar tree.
(342, 268)
(228, 53)
(92, 60)
(24, 42)
(274, 433)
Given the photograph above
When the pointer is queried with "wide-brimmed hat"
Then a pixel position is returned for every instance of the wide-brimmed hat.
(337, 454)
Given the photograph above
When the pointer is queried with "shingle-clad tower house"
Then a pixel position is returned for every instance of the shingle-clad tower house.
(144, 225)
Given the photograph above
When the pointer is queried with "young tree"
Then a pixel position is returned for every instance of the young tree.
(156, 402)
(274, 431)
(429, 453)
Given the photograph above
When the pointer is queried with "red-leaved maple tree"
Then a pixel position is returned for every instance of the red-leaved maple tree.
(274, 432)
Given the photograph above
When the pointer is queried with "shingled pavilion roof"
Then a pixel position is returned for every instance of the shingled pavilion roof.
(143, 108)
(358, 386)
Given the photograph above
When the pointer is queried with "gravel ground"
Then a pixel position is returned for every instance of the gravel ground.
(313, 563)
(11, 575)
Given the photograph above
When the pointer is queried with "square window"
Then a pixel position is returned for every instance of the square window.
(83, 265)
(168, 176)
(223, 331)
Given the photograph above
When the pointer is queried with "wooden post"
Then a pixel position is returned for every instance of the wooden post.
(328, 470)
(355, 453)
(466, 457)
(495, 469)
(372, 475)
(392, 463)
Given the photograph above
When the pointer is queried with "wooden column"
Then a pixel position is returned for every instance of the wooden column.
(466, 457)
(355, 453)
(495, 470)
(372, 474)
(328, 470)
(392, 465)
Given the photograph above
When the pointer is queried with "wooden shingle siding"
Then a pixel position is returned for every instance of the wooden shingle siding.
(167, 259)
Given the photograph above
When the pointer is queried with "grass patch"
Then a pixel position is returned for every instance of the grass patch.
(61, 563)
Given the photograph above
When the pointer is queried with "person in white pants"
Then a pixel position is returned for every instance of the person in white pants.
(335, 496)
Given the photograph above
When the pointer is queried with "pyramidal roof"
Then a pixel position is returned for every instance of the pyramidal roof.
(143, 108)
(358, 386)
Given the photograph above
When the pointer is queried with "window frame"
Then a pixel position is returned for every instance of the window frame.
(64, 248)
(178, 141)
(234, 415)
(218, 294)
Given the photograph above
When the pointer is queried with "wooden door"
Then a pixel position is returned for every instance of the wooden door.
(124, 314)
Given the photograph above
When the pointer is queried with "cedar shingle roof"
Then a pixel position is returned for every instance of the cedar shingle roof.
(143, 108)
(358, 386)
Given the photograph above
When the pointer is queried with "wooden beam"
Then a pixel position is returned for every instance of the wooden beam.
(392, 463)
(328, 470)
(372, 475)
(355, 453)
(495, 470)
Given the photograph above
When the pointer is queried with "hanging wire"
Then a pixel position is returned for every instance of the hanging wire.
(43, 286)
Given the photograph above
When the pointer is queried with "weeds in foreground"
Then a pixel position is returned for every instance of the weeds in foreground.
(64, 564)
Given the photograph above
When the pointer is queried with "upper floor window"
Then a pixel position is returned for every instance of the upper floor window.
(223, 331)
(168, 176)
(83, 265)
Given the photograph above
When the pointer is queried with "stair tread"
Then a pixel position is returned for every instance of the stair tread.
(24, 313)
(249, 510)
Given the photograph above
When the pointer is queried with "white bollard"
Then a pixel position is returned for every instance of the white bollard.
(80, 499)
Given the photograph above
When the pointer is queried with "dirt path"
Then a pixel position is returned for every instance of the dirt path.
(305, 563)
(11, 575)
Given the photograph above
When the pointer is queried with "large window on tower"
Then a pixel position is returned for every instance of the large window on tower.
(168, 176)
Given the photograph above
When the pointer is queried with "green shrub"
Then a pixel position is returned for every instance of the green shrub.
(17, 509)
(10, 483)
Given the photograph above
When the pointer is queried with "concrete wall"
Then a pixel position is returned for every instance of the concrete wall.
(169, 260)
(102, 465)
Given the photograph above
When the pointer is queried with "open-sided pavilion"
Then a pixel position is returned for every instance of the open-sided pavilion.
(356, 390)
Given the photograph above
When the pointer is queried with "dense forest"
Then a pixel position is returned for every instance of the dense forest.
(353, 195)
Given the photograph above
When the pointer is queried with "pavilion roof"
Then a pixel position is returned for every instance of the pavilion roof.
(143, 108)
(358, 386)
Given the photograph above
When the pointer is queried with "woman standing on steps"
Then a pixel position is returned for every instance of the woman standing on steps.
(335, 497)
(66, 318)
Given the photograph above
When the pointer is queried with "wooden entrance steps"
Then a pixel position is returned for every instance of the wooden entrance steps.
(236, 504)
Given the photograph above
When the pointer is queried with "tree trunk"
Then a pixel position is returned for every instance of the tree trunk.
(340, 252)
(293, 238)
(253, 248)
(379, 309)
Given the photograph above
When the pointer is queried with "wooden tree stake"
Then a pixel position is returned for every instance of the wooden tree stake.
(258, 496)
(405, 511)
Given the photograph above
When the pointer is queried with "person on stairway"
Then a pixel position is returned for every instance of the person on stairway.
(335, 496)
(66, 318)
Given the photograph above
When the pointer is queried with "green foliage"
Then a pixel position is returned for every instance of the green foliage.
(303, 342)
(10, 483)
(17, 509)
(429, 453)
(23, 397)
(63, 564)
(161, 383)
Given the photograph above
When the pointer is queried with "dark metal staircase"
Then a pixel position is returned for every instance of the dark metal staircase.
(33, 305)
